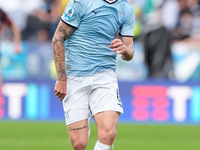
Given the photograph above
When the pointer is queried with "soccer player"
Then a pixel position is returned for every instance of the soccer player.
(4, 20)
(85, 49)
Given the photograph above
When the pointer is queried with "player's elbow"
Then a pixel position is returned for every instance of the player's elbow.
(53, 39)
(130, 57)
(58, 38)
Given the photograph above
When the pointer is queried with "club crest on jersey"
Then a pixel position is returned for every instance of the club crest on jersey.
(69, 13)
(120, 15)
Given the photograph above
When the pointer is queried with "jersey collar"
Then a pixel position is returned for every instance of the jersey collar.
(110, 2)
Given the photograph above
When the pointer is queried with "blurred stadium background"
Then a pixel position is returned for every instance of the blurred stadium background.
(160, 87)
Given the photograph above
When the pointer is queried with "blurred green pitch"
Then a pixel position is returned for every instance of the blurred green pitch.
(53, 136)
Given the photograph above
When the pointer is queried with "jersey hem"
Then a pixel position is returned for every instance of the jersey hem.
(126, 35)
(86, 74)
(68, 23)
(120, 111)
(76, 120)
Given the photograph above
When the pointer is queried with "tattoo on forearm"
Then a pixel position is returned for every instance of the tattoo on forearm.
(59, 59)
(62, 33)
(61, 70)
(74, 129)
(58, 47)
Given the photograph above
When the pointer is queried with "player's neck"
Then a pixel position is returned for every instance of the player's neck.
(110, 1)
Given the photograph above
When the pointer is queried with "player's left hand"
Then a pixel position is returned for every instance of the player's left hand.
(118, 46)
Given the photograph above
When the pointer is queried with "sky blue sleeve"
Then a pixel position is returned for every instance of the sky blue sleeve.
(73, 13)
(128, 24)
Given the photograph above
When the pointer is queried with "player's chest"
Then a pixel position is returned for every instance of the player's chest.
(105, 15)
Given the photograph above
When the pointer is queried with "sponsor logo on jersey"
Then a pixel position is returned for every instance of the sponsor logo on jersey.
(69, 13)
(76, 2)
(96, 11)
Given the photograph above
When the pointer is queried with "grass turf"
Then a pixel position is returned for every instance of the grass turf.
(53, 136)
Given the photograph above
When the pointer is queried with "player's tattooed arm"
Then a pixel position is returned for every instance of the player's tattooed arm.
(62, 33)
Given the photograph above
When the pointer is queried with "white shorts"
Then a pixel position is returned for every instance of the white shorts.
(87, 96)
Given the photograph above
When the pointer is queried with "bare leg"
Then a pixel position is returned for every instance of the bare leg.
(106, 124)
(78, 134)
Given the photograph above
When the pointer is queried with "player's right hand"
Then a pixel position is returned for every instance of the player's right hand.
(118, 46)
(60, 89)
